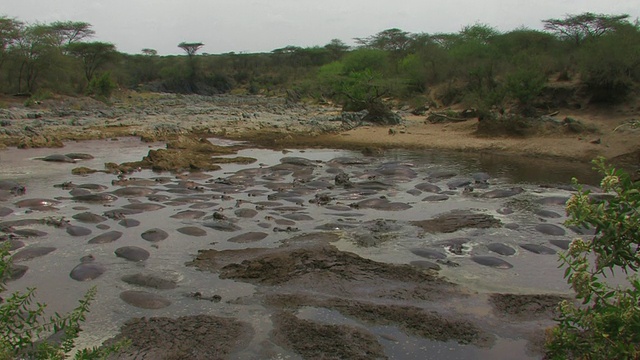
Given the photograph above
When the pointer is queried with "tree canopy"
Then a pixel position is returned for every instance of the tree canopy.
(190, 48)
(579, 28)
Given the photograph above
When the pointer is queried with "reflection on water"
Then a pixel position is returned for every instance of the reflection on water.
(531, 272)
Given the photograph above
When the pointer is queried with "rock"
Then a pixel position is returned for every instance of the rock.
(150, 281)
(455, 221)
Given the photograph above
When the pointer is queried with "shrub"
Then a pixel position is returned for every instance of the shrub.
(25, 331)
(102, 86)
(525, 85)
(606, 325)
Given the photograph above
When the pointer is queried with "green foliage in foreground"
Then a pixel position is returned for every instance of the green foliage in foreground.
(25, 331)
(607, 323)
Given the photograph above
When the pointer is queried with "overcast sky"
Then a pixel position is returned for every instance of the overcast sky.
(264, 25)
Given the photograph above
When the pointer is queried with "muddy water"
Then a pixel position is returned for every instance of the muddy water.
(381, 235)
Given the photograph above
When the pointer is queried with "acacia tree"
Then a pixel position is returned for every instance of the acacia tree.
(190, 48)
(149, 52)
(34, 47)
(9, 33)
(68, 32)
(336, 48)
(579, 28)
(92, 54)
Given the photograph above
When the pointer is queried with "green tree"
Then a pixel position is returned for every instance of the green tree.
(606, 325)
(336, 48)
(9, 34)
(610, 64)
(68, 32)
(92, 54)
(578, 28)
(149, 52)
(34, 47)
(191, 49)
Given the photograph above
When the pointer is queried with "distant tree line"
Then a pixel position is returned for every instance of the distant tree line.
(478, 66)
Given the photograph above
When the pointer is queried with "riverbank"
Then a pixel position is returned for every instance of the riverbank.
(283, 246)
(275, 123)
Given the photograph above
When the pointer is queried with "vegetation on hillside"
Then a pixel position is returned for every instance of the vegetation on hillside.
(479, 66)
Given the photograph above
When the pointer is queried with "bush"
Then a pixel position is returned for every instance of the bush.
(102, 86)
(606, 325)
(525, 85)
(25, 332)
(609, 65)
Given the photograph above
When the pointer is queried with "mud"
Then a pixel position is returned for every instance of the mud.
(356, 289)
(200, 337)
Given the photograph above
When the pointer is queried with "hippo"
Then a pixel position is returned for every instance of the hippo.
(248, 237)
(562, 244)
(538, 249)
(36, 203)
(191, 231)
(150, 281)
(134, 191)
(188, 214)
(4, 211)
(154, 235)
(87, 271)
(132, 253)
(12, 187)
(77, 230)
(95, 198)
(105, 238)
(128, 223)
(551, 229)
(58, 158)
(79, 156)
(89, 217)
(501, 249)
(144, 300)
(428, 253)
(502, 193)
(491, 261)
(428, 187)
(30, 233)
(31, 253)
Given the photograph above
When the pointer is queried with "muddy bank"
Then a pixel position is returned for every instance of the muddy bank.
(276, 123)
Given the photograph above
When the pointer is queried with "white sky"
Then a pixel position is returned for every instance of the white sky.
(264, 25)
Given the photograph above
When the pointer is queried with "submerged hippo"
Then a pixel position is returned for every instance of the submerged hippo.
(87, 271)
(105, 238)
(491, 261)
(58, 158)
(154, 235)
(132, 253)
(144, 300)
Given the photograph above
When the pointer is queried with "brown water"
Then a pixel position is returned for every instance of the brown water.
(532, 273)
